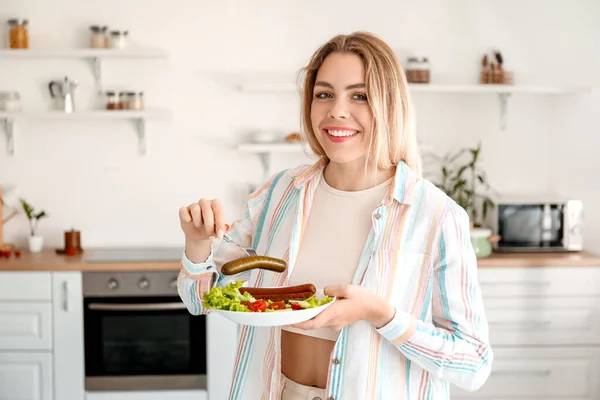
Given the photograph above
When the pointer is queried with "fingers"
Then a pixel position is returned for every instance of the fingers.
(184, 215)
(339, 291)
(219, 218)
(196, 214)
(208, 218)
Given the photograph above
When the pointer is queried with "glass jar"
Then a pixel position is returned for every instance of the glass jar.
(18, 34)
(98, 39)
(123, 100)
(135, 101)
(118, 39)
(10, 101)
(113, 101)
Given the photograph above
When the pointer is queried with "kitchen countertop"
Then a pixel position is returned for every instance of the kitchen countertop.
(119, 260)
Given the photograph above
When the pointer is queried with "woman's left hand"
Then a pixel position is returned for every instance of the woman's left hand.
(353, 303)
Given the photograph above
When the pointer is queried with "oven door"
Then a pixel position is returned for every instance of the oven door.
(143, 343)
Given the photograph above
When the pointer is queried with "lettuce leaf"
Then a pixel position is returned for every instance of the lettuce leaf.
(227, 298)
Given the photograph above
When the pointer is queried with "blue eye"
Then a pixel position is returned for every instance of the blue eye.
(323, 95)
(360, 96)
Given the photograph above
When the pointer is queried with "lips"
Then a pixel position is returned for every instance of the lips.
(340, 134)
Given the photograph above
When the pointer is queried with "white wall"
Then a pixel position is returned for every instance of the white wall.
(89, 176)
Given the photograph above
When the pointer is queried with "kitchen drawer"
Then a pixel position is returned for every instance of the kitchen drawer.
(544, 321)
(25, 326)
(539, 282)
(556, 373)
(26, 376)
(25, 286)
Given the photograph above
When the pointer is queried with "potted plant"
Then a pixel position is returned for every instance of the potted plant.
(36, 242)
(463, 179)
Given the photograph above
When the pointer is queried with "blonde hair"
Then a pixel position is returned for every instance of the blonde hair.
(393, 136)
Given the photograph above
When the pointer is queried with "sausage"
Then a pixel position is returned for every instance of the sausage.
(298, 292)
(257, 291)
(282, 296)
(252, 262)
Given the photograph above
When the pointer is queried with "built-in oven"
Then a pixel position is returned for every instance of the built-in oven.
(139, 335)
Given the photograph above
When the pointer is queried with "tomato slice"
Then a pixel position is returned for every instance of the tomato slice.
(258, 306)
(277, 305)
(296, 307)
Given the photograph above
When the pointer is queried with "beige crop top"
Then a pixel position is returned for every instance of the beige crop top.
(336, 232)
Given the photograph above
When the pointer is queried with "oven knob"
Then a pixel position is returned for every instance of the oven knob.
(144, 283)
(112, 284)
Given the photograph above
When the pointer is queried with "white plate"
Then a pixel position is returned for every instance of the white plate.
(274, 318)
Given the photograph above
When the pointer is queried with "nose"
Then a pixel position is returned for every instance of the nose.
(339, 109)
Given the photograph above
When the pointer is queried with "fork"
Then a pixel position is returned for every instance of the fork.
(248, 250)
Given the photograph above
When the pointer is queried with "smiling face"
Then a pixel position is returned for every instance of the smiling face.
(340, 115)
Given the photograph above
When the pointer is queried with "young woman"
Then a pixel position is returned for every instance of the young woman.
(365, 226)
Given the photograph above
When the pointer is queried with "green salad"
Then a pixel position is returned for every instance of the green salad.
(229, 298)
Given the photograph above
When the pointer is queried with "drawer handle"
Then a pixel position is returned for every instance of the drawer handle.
(520, 372)
(522, 283)
(65, 287)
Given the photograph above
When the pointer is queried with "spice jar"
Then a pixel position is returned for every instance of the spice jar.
(98, 39)
(418, 71)
(18, 34)
(118, 39)
(113, 101)
(135, 101)
(123, 100)
(10, 101)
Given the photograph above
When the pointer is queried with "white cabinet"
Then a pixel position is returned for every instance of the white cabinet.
(25, 326)
(544, 331)
(541, 373)
(68, 353)
(25, 376)
(25, 286)
(41, 336)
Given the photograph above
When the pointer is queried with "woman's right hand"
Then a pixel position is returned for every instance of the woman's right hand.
(202, 221)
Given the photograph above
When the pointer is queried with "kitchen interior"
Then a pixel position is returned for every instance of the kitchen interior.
(115, 114)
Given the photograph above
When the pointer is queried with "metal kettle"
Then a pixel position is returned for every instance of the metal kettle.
(64, 92)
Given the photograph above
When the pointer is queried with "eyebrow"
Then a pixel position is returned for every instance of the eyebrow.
(329, 85)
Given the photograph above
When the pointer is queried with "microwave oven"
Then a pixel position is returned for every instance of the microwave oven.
(541, 224)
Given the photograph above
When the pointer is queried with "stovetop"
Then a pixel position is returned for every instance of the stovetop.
(132, 254)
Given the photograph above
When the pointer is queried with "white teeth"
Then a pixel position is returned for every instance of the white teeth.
(342, 133)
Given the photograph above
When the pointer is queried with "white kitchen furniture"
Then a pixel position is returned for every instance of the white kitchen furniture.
(42, 345)
(41, 339)
(544, 328)
(545, 333)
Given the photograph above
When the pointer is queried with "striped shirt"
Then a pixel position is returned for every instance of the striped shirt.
(418, 256)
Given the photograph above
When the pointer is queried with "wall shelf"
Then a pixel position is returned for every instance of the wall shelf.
(265, 150)
(139, 118)
(275, 82)
(94, 55)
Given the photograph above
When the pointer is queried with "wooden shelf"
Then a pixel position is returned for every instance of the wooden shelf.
(94, 55)
(138, 117)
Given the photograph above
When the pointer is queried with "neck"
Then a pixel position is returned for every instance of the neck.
(352, 177)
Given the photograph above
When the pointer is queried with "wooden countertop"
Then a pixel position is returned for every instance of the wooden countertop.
(48, 260)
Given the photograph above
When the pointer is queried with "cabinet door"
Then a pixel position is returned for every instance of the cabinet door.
(25, 326)
(67, 303)
(25, 376)
(540, 374)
